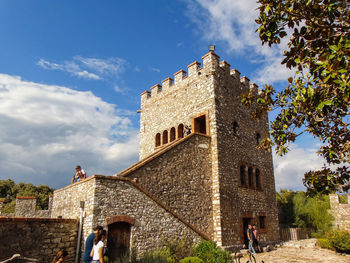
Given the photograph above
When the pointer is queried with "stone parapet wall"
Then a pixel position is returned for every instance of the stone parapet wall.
(181, 179)
(39, 238)
(340, 212)
(26, 207)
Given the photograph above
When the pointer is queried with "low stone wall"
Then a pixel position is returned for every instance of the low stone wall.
(39, 238)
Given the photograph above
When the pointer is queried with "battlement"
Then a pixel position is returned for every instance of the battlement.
(211, 65)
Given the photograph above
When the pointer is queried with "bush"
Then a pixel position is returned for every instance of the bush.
(324, 243)
(340, 240)
(191, 260)
(209, 252)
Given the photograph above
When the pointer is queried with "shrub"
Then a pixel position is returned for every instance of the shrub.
(191, 260)
(324, 243)
(340, 240)
(209, 252)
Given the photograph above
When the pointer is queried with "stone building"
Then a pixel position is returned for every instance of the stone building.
(216, 179)
(207, 184)
(340, 212)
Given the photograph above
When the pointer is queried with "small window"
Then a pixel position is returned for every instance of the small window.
(158, 139)
(165, 137)
(172, 134)
(235, 127)
(242, 175)
(262, 222)
(250, 177)
(180, 131)
(258, 138)
(257, 179)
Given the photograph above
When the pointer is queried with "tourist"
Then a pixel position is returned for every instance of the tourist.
(90, 243)
(61, 256)
(187, 130)
(97, 252)
(80, 174)
(256, 239)
(250, 237)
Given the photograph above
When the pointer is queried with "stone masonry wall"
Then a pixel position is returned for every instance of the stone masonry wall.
(39, 238)
(26, 207)
(236, 148)
(153, 223)
(108, 196)
(181, 178)
(340, 212)
(66, 203)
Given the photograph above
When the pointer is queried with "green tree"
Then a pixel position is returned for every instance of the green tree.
(285, 207)
(312, 212)
(316, 99)
(9, 190)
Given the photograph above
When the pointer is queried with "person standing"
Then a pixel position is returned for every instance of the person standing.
(256, 238)
(250, 236)
(99, 247)
(90, 243)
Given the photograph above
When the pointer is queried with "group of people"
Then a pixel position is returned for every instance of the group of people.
(79, 175)
(253, 238)
(95, 249)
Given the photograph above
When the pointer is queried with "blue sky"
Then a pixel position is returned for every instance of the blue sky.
(71, 74)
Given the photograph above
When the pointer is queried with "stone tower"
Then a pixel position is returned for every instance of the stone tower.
(239, 182)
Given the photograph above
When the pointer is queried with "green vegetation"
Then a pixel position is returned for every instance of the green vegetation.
(9, 190)
(317, 98)
(178, 252)
(209, 252)
(299, 210)
(336, 240)
(191, 260)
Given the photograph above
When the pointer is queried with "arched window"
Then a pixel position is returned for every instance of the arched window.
(242, 175)
(165, 137)
(235, 127)
(257, 179)
(180, 131)
(172, 134)
(250, 177)
(157, 139)
(258, 138)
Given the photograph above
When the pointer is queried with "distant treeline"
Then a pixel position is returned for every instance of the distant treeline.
(9, 190)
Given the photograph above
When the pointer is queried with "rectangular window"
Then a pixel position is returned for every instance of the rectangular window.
(250, 177)
(242, 175)
(262, 222)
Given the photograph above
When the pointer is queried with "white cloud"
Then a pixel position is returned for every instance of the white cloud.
(46, 130)
(88, 68)
(155, 69)
(290, 169)
(232, 24)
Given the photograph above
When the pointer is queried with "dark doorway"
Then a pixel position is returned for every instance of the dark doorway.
(118, 241)
(245, 223)
(200, 125)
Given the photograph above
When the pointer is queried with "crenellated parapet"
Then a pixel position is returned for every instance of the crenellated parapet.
(211, 64)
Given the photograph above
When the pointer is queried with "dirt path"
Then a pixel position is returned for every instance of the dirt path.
(300, 251)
